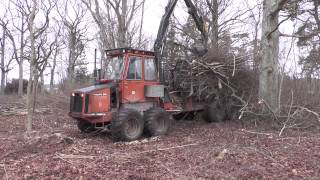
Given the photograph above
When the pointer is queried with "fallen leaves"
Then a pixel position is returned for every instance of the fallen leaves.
(192, 150)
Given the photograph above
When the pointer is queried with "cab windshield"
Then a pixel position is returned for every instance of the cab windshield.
(114, 67)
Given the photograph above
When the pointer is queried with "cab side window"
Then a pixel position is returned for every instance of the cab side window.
(135, 68)
(150, 73)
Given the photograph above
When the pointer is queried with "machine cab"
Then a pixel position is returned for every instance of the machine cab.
(135, 71)
(140, 65)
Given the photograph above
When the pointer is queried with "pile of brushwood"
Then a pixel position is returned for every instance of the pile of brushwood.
(223, 82)
(228, 87)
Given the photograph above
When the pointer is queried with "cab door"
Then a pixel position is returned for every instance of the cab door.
(133, 85)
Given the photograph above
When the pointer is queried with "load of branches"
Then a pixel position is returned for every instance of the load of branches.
(223, 78)
(230, 81)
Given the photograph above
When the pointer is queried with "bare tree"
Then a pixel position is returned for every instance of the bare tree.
(119, 15)
(219, 20)
(3, 45)
(53, 65)
(6, 62)
(33, 69)
(22, 29)
(103, 25)
(45, 51)
(255, 21)
(268, 78)
(213, 6)
(16, 14)
(76, 28)
(39, 55)
(141, 25)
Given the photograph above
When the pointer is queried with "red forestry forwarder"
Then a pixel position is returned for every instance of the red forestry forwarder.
(128, 97)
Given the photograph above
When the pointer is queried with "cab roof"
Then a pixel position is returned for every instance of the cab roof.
(118, 51)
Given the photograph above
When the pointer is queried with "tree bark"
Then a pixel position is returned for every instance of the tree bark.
(72, 49)
(213, 6)
(268, 78)
(42, 88)
(3, 72)
(316, 4)
(215, 25)
(20, 88)
(53, 69)
(255, 47)
(122, 24)
(100, 21)
(141, 25)
(33, 69)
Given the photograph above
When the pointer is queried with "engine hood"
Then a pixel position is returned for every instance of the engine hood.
(94, 88)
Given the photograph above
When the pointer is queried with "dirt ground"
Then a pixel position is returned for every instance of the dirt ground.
(192, 150)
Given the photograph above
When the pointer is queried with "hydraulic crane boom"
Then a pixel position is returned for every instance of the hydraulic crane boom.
(164, 23)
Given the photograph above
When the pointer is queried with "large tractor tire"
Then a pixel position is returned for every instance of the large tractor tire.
(214, 112)
(157, 122)
(127, 125)
(85, 127)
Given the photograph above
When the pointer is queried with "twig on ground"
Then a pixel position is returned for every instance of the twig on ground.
(269, 108)
(167, 168)
(312, 112)
(5, 171)
(266, 155)
(72, 156)
(57, 156)
(78, 149)
(289, 116)
(253, 132)
(170, 148)
(244, 105)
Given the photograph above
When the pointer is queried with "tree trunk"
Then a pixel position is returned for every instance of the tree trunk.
(316, 4)
(102, 26)
(122, 24)
(42, 88)
(3, 71)
(28, 123)
(215, 25)
(103, 62)
(255, 48)
(141, 25)
(53, 69)
(35, 88)
(214, 11)
(20, 88)
(72, 49)
(268, 78)
(33, 69)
